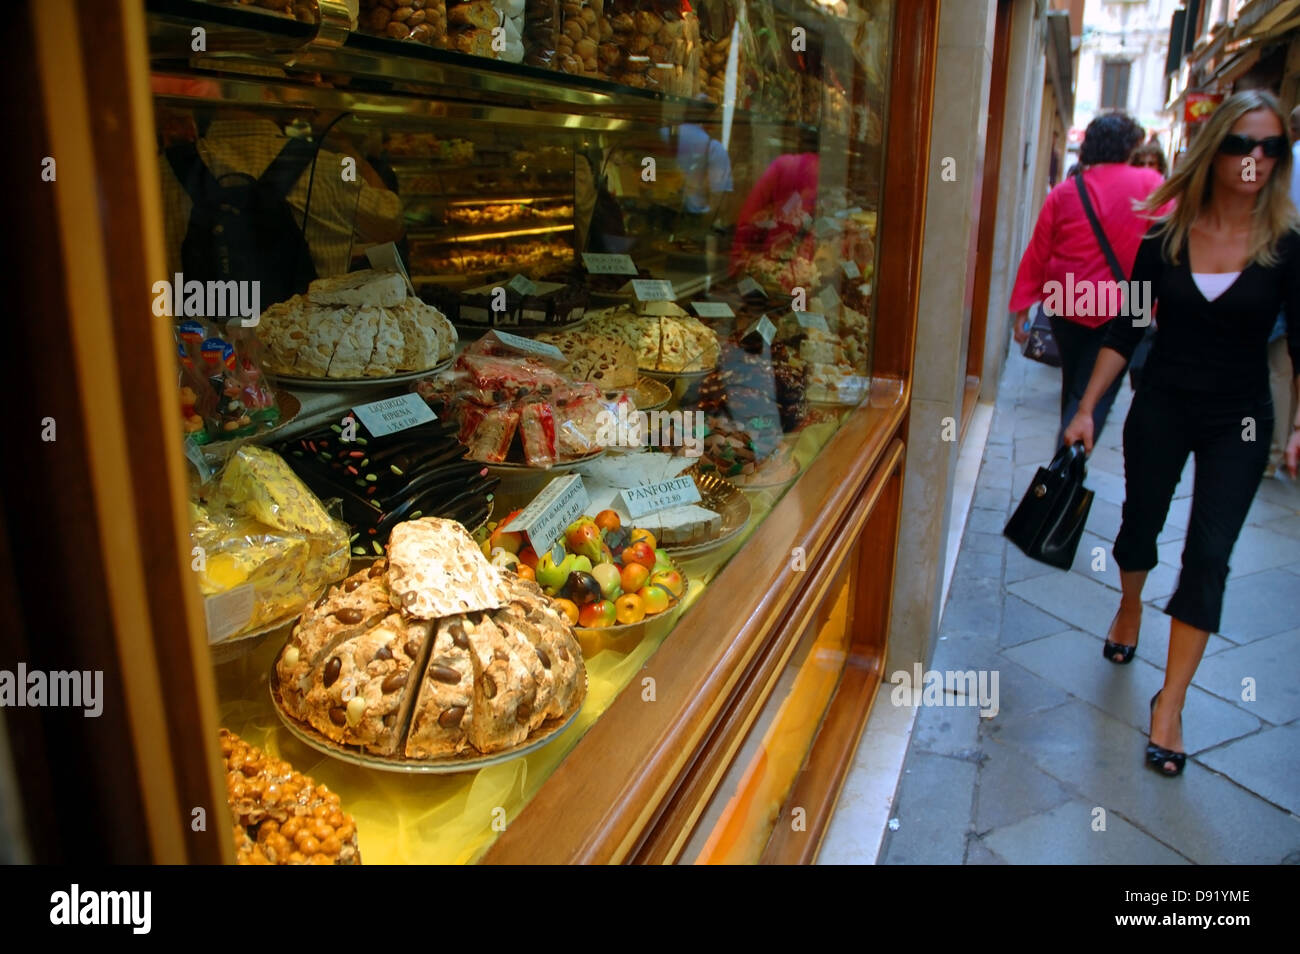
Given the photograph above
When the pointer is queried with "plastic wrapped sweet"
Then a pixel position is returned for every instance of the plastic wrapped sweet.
(303, 10)
(264, 530)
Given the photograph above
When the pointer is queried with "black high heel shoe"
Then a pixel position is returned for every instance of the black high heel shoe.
(1126, 653)
(1158, 757)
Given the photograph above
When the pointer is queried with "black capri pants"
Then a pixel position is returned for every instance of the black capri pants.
(1162, 428)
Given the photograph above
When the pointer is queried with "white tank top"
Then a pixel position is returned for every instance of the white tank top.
(1214, 284)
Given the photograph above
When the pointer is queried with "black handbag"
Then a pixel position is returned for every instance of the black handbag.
(1048, 524)
(1041, 345)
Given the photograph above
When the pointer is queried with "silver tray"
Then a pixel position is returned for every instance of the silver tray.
(446, 766)
(335, 384)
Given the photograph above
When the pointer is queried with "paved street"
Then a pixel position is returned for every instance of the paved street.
(1026, 786)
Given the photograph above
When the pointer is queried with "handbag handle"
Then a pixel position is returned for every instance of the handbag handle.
(1070, 459)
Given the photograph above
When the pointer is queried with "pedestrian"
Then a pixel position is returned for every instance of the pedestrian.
(1149, 155)
(1065, 250)
(1281, 371)
(1221, 265)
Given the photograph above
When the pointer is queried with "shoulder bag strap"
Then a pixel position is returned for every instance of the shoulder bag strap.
(1097, 229)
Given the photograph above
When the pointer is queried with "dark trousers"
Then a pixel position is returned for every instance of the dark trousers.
(1079, 346)
(1162, 429)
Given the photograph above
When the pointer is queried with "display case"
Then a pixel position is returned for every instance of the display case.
(713, 211)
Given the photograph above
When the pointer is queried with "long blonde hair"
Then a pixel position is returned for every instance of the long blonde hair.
(1192, 184)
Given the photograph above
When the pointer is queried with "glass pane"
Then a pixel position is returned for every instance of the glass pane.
(679, 200)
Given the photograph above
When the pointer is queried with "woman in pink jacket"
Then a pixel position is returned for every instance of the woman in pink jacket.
(1065, 267)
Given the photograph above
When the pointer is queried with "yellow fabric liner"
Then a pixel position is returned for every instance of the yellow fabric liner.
(405, 818)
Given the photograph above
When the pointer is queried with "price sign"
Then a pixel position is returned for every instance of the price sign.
(713, 309)
(748, 286)
(651, 498)
(603, 263)
(811, 320)
(385, 258)
(229, 612)
(563, 501)
(851, 269)
(522, 285)
(765, 328)
(647, 289)
(864, 288)
(829, 295)
(394, 414)
(528, 346)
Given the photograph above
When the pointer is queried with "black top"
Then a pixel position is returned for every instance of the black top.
(1219, 345)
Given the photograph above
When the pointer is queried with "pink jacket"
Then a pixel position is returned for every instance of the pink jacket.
(1063, 243)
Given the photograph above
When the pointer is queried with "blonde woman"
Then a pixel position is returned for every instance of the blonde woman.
(1221, 265)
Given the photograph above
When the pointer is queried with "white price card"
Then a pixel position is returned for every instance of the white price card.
(563, 501)
(766, 329)
(651, 498)
(229, 612)
(713, 309)
(865, 289)
(605, 263)
(394, 414)
(653, 289)
(829, 295)
(528, 346)
(385, 258)
(812, 320)
(748, 286)
(522, 285)
(851, 269)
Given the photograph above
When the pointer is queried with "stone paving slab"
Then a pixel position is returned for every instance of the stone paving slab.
(1210, 819)
(1260, 605)
(1073, 662)
(1268, 763)
(933, 808)
(1012, 788)
(1273, 665)
(1068, 835)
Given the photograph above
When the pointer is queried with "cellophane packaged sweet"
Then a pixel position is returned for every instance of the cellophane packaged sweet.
(541, 32)
(660, 44)
(472, 26)
(267, 544)
(305, 11)
(424, 21)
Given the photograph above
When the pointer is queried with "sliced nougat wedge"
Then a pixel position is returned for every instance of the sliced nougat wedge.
(554, 637)
(362, 692)
(522, 637)
(502, 683)
(346, 609)
(442, 717)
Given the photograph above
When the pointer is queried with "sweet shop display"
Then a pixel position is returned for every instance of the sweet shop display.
(609, 572)
(683, 526)
(268, 546)
(502, 305)
(667, 343)
(303, 10)
(356, 326)
(431, 653)
(383, 481)
(500, 398)
(424, 21)
(424, 145)
(221, 390)
(602, 359)
(280, 816)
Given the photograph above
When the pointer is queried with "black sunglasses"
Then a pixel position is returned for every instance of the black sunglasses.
(1235, 144)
